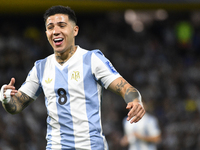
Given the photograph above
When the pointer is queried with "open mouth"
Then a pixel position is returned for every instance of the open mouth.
(58, 41)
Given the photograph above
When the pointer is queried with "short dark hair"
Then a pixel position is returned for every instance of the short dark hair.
(60, 10)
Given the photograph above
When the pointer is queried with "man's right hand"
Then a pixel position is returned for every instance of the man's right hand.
(7, 91)
(11, 86)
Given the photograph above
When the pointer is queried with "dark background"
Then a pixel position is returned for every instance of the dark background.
(161, 60)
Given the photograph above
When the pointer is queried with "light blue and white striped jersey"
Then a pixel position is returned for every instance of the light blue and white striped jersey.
(73, 98)
(147, 126)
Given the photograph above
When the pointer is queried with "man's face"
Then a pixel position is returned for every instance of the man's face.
(60, 32)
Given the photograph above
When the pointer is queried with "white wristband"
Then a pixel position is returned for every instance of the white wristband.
(1, 93)
(7, 93)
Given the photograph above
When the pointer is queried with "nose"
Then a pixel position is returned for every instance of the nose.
(56, 30)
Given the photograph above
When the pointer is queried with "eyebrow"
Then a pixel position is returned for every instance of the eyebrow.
(56, 23)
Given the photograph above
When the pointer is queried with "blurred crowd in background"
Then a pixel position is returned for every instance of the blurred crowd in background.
(161, 61)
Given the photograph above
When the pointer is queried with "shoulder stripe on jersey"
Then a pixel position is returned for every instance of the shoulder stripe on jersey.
(100, 55)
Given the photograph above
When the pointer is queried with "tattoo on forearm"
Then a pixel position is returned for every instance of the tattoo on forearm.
(23, 100)
(18, 103)
(11, 107)
(131, 94)
(120, 86)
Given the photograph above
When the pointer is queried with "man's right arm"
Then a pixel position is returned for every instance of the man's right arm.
(17, 103)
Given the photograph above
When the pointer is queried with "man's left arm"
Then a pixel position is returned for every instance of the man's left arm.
(131, 96)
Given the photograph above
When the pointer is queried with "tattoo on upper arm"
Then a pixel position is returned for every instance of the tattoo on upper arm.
(131, 94)
(120, 85)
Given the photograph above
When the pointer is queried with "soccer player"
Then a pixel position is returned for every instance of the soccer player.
(72, 79)
(143, 135)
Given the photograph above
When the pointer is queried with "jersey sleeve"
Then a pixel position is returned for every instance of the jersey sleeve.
(31, 86)
(103, 69)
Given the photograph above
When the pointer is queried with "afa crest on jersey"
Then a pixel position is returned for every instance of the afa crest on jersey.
(75, 75)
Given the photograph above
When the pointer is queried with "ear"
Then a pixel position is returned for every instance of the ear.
(46, 32)
(76, 29)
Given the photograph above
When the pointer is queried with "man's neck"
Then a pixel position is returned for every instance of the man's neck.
(61, 58)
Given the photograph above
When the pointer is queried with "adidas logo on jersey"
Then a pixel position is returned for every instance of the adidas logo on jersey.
(48, 81)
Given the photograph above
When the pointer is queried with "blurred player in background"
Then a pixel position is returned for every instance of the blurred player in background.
(72, 80)
(143, 135)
